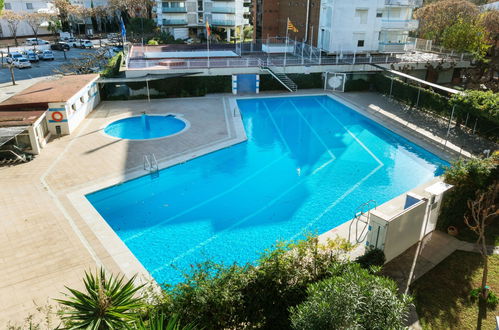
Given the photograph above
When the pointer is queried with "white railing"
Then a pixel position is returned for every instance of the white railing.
(424, 45)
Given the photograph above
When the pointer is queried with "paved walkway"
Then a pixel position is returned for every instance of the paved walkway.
(45, 243)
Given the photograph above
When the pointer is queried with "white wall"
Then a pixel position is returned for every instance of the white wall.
(344, 23)
(74, 110)
(21, 6)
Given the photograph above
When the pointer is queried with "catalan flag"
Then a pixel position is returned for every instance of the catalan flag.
(208, 30)
(291, 26)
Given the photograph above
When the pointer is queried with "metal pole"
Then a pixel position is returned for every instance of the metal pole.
(419, 93)
(148, 94)
(450, 120)
(391, 87)
(286, 47)
(474, 127)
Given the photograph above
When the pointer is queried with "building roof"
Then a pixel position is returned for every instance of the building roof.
(19, 118)
(40, 94)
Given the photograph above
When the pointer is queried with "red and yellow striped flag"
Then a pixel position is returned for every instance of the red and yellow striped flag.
(208, 30)
(291, 26)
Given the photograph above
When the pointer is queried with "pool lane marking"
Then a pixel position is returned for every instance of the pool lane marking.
(321, 141)
(351, 134)
(206, 201)
(330, 207)
(251, 215)
(236, 224)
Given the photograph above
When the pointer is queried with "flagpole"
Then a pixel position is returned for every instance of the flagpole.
(286, 49)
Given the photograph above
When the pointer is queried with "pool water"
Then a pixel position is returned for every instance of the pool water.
(309, 162)
(145, 127)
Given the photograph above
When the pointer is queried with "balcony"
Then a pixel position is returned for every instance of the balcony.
(174, 22)
(404, 3)
(174, 10)
(405, 25)
(219, 22)
(223, 10)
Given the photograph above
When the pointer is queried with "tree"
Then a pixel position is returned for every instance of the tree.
(436, 17)
(2, 2)
(65, 9)
(353, 298)
(34, 21)
(11, 67)
(13, 19)
(466, 36)
(490, 21)
(108, 303)
(483, 210)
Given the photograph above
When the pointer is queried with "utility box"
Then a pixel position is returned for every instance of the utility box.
(403, 221)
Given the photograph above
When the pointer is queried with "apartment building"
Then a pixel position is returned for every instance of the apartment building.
(339, 25)
(366, 25)
(25, 6)
(184, 18)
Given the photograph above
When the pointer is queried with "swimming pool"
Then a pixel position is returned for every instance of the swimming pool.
(309, 162)
(145, 127)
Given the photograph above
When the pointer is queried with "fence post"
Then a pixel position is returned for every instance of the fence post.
(450, 121)
(474, 127)
(354, 55)
(370, 58)
(462, 56)
(419, 93)
(386, 59)
(320, 57)
(391, 87)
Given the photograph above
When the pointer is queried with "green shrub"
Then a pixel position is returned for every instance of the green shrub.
(372, 257)
(112, 68)
(152, 42)
(467, 176)
(352, 85)
(352, 298)
(218, 297)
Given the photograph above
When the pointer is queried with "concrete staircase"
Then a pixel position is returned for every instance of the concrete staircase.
(289, 84)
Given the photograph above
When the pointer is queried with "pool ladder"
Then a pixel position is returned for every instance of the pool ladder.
(361, 219)
(151, 164)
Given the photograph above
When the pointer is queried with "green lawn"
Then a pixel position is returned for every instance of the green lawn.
(441, 295)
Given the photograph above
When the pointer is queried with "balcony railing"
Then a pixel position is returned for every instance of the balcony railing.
(174, 10)
(407, 25)
(225, 10)
(174, 22)
(219, 22)
(404, 3)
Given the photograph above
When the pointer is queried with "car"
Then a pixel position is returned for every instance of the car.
(84, 43)
(60, 46)
(22, 63)
(31, 56)
(46, 55)
(36, 41)
(14, 56)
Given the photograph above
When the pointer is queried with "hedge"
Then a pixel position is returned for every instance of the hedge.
(112, 68)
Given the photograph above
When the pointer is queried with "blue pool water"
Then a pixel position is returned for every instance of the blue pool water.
(145, 127)
(309, 162)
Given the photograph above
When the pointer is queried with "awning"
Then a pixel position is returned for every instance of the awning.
(8, 133)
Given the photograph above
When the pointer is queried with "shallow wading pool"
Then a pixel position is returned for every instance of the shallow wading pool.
(309, 162)
(145, 127)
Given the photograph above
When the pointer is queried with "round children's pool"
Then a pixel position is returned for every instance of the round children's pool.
(145, 127)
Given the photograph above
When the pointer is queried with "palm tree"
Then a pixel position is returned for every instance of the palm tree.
(107, 303)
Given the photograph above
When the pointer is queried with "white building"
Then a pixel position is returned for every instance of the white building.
(185, 18)
(49, 108)
(366, 25)
(22, 7)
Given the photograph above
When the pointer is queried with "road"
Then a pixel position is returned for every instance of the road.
(43, 68)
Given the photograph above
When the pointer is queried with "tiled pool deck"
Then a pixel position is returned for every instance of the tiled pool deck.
(47, 232)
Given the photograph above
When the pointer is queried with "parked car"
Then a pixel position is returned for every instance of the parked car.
(35, 41)
(22, 63)
(31, 56)
(60, 46)
(46, 55)
(85, 43)
(14, 56)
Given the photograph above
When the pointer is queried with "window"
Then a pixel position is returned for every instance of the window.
(360, 43)
(82, 99)
(29, 5)
(7, 6)
(362, 14)
(73, 107)
(379, 15)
